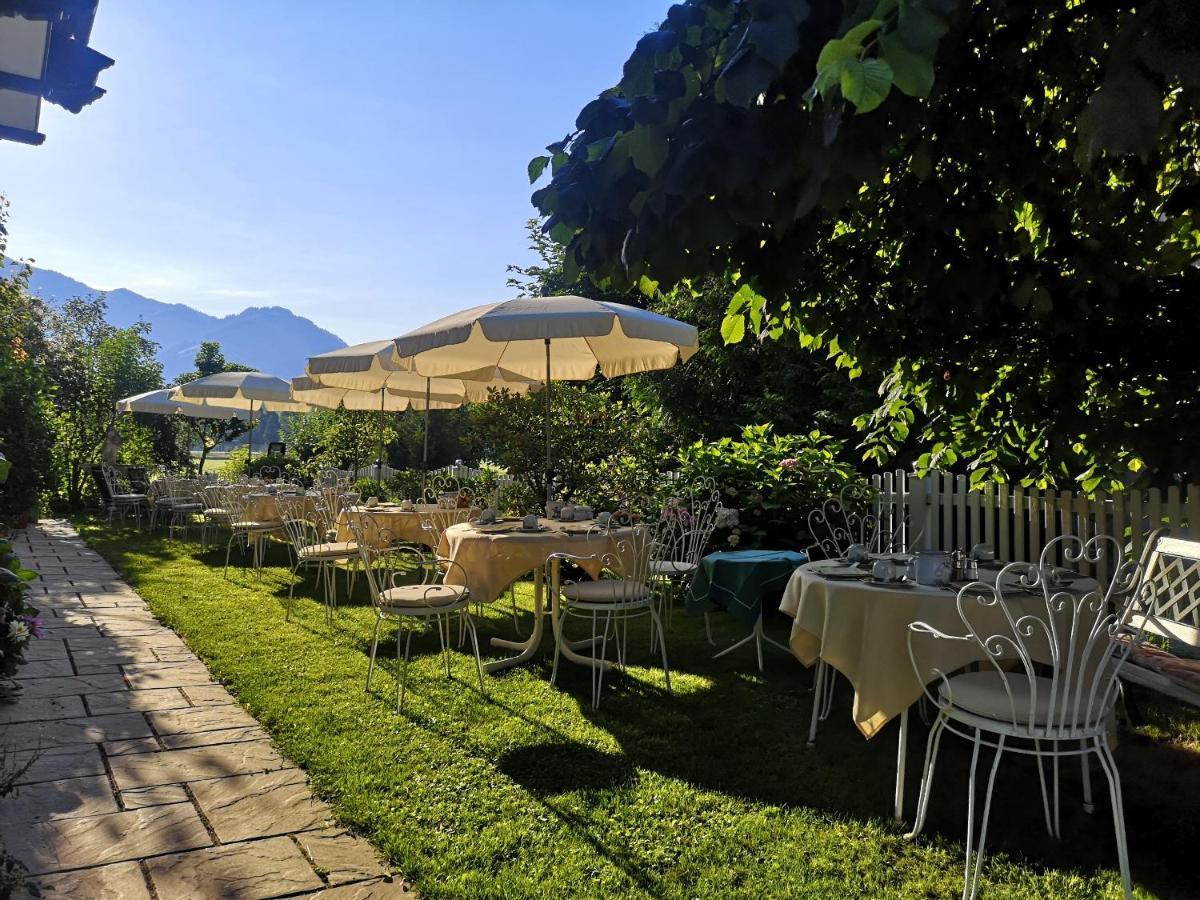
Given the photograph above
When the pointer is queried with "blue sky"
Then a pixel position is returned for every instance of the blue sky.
(366, 170)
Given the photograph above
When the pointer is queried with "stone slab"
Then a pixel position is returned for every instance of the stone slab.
(252, 870)
(137, 701)
(119, 881)
(41, 709)
(65, 798)
(343, 857)
(88, 730)
(97, 840)
(170, 766)
(249, 806)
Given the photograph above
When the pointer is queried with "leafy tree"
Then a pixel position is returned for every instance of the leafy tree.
(603, 446)
(990, 211)
(92, 365)
(208, 433)
(25, 407)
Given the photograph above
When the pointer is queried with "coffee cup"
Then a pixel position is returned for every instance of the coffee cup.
(883, 570)
(372, 501)
(856, 553)
(567, 514)
(487, 517)
(530, 522)
(583, 513)
(604, 519)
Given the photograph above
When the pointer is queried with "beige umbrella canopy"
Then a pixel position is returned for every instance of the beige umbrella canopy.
(159, 402)
(257, 390)
(314, 393)
(375, 365)
(372, 367)
(555, 338)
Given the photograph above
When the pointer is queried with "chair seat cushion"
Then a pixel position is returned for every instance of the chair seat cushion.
(416, 596)
(984, 694)
(671, 567)
(216, 513)
(250, 525)
(333, 550)
(606, 590)
(129, 498)
(186, 507)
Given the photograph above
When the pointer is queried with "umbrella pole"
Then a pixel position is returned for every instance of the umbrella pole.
(379, 458)
(250, 442)
(425, 453)
(549, 477)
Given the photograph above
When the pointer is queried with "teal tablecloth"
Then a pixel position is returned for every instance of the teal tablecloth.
(737, 580)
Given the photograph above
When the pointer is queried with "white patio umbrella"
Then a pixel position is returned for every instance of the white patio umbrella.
(516, 336)
(259, 391)
(374, 367)
(314, 393)
(158, 402)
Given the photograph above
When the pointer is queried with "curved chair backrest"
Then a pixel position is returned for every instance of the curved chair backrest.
(686, 522)
(852, 518)
(301, 531)
(1032, 625)
(443, 502)
(624, 553)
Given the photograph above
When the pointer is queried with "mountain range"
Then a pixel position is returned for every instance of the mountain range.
(268, 338)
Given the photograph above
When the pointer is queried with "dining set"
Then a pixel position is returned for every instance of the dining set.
(1015, 658)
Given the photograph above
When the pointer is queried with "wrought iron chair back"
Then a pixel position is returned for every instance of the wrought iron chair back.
(852, 518)
(1028, 625)
(443, 500)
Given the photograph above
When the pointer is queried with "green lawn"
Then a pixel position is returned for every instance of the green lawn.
(708, 793)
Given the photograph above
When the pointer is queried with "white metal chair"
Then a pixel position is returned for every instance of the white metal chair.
(185, 504)
(687, 521)
(625, 591)
(215, 515)
(123, 499)
(310, 547)
(252, 533)
(841, 522)
(1173, 619)
(1050, 663)
(387, 565)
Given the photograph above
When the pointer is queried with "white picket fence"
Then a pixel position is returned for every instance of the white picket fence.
(941, 511)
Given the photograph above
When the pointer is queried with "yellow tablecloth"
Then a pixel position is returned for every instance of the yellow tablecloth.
(400, 524)
(493, 561)
(862, 631)
(265, 507)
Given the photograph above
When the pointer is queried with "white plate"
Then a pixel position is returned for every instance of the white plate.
(888, 584)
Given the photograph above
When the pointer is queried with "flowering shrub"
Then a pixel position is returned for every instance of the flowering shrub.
(19, 623)
(769, 483)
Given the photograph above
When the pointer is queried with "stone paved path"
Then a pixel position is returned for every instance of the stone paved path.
(150, 781)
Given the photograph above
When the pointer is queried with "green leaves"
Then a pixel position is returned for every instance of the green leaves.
(647, 146)
(536, 167)
(865, 83)
(733, 328)
(912, 72)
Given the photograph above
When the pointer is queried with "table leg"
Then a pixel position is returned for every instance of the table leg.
(530, 644)
(758, 636)
(901, 759)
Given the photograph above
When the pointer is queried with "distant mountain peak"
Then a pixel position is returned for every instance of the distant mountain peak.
(178, 328)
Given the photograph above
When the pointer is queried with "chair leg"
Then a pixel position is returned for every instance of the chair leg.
(228, 546)
(971, 888)
(402, 674)
(1086, 773)
(374, 647)
(1109, 765)
(708, 631)
(932, 745)
(662, 646)
(478, 659)
(1037, 746)
(598, 670)
(291, 592)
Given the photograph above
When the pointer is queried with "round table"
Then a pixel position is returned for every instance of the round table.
(401, 524)
(493, 557)
(862, 631)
